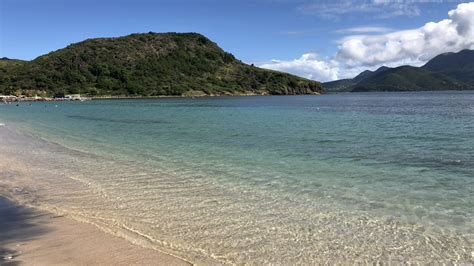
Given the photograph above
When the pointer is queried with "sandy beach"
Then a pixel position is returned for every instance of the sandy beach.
(32, 237)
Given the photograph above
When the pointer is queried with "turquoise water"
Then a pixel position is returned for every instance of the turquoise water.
(293, 179)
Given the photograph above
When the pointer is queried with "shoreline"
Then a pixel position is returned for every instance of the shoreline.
(14, 99)
(34, 236)
(123, 97)
(19, 197)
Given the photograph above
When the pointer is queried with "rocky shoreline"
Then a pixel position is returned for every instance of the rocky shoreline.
(9, 99)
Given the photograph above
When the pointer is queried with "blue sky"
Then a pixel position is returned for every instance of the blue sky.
(255, 31)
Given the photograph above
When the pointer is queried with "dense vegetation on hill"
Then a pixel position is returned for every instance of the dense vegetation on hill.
(7, 64)
(148, 65)
(344, 85)
(407, 78)
(450, 71)
(456, 65)
(341, 85)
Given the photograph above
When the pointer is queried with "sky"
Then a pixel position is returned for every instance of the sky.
(321, 40)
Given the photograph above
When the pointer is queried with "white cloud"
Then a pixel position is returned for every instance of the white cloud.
(364, 30)
(376, 8)
(307, 66)
(412, 47)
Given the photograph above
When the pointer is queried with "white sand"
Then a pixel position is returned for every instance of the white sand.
(33, 237)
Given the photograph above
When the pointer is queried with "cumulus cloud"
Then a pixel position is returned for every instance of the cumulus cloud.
(308, 66)
(413, 47)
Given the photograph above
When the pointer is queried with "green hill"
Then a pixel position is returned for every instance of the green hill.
(407, 78)
(457, 65)
(341, 85)
(345, 85)
(450, 71)
(149, 64)
(7, 64)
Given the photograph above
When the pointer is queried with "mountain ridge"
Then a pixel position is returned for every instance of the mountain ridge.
(448, 71)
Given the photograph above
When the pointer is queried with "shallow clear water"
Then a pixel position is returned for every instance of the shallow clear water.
(297, 179)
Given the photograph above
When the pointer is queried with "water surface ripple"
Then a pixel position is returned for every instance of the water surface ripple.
(363, 177)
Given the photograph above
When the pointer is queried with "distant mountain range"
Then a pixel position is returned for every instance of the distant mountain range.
(150, 64)
(449, 71)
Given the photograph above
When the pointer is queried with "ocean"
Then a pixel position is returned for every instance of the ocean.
(354, 177)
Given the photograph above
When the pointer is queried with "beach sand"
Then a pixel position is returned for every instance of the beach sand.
(32, 237)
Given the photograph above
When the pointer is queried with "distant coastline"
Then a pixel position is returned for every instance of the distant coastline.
(17, 99)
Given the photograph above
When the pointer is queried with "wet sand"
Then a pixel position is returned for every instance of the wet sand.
(32, 237)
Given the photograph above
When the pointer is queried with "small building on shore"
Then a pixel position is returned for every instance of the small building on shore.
(73, 97)
(8, 98)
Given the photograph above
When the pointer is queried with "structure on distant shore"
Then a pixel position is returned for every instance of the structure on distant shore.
(23, 98)
(73, 97)
(7, 98)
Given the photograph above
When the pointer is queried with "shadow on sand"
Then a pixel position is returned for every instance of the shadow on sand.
(17, 225)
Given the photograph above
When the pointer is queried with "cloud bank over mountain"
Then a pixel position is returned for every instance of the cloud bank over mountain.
(412, 47)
